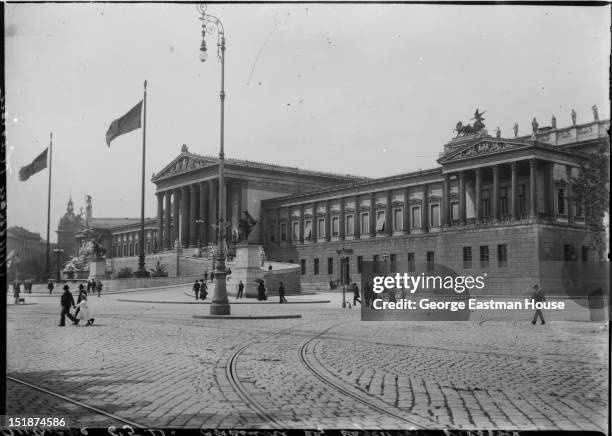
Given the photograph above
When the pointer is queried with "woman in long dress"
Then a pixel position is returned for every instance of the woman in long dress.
(85, 313)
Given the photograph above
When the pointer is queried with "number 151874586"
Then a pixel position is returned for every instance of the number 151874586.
(35, 421)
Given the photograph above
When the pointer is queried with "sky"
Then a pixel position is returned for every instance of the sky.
(365, 89)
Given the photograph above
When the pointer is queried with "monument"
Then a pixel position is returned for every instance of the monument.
(247, 263)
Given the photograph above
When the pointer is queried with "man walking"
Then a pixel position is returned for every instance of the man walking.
(196, 289)
(355, 294)
(240, 290)
(281, 293)
(538, 296)
(67, 303)
(50, 286)
(89, 286)
(98, 285)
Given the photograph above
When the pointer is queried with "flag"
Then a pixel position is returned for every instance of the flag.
(124, 124)
(38, 164)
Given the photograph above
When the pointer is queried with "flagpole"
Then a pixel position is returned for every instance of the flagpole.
(47, 274)
(141, 255)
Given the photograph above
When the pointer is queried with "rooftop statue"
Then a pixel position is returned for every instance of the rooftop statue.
(245, 226)
(469, 129)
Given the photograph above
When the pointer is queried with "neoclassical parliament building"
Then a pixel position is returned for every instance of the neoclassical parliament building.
(500, 207)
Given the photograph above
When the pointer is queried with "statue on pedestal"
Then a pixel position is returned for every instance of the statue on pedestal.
(245, 226)
(595, 113)
(515, 128)
(553, 122)
(573, 117)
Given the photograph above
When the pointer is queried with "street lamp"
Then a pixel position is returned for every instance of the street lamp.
(58, 251)
(210, 24)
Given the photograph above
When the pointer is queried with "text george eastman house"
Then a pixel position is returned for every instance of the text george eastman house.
(500, 206)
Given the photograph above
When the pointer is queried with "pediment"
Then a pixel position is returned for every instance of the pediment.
(183, 163)
(484, 147)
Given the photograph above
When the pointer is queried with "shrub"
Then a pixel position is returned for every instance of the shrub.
(125, 273)
(160, 270)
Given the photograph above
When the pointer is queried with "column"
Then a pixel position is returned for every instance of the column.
(213, 220)
(278, 225)
(194, 215)
(185, 200)
(446, 220)
(425, 209)
(478, 196)
(406, 223)
(514, 190)
(160, 219)
(357, 219)
(301, 223)
(342, 221)
(175, 216)
(533, 211)
(204, 215)
(328, 220)
(389, 215)
(168, 220)
(315, 224)
(552, 194)
(495, 195)
(290, 224)
(372, 229)
(462, 198)
(570, 194)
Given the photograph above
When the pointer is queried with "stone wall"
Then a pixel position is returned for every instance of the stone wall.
(187, 265)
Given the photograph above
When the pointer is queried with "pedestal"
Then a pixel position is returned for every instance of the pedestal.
(97, 269)
(246, 268)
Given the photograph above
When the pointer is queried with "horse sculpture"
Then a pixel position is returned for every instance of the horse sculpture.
(92, 249)
(469, 129)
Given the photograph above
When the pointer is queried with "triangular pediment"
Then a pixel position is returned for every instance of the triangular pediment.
(184, 163)
(484, 146)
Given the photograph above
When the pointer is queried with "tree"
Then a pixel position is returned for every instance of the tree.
(160, 270)
(592, 186)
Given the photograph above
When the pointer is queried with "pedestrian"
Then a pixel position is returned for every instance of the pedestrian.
(240, 290)
(89, 286)
(67, 303)
(196, 289)
(538, 297)
(84, 312)
(82, 292)
(98, 285)
(261, 292)
(355, 294)
(203, 289)
(16, 290)
(50, 286)
(281, 293)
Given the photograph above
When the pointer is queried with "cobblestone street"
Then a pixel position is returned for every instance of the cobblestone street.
(153, 364)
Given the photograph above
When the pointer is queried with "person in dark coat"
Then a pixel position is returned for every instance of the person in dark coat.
(261, 292)
(67, 303)
(240, 290)
(196, 289)
(203, 289)
(89, 286)
(98, 286)
(355, 294)
(538, 296)
(281, 293)
(50, 286)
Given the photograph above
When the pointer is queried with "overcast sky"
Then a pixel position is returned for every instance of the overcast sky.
(371, 90)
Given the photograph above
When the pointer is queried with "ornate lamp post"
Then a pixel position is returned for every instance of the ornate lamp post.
(58, 251)
(220, 303)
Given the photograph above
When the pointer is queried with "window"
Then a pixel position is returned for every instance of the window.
(272, 232)
(434, 216)
(283, 232)
(359, 264)
(411, 263)
(365, 223)
(561, 209)
(568, 252)
(308, 229)
(578, 206)
(321, 228)
(125, 252)
(316, 267)
(467, 257)
(295, 231)
(430, 261)
(416, 217)
(484, 256)
(486, 203)
(350, 224)
(380, 221)
(376, 263)
(585, 253)
(335, 226)
(455, 211)
(393, 262)
(330, 265)
(503, 201)
(502, 255)
(303, 266)
(398, 219)
(521, 199)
